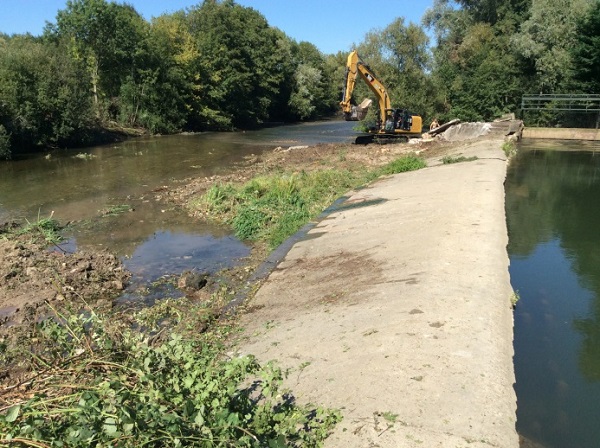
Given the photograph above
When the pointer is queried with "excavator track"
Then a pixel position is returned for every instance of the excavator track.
(382, 139)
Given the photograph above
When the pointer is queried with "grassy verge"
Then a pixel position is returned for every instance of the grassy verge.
(273, 207)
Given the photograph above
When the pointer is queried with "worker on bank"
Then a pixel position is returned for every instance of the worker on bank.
(434, 124)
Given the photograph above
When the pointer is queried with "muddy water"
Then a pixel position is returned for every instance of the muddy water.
(553, 215)
(153, 239)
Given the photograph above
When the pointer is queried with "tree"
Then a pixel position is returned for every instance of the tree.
(43, 94)
(546, 39)
(586, 51)
(107, 37)
(311, 93)
(400, 57)
(475, 72)
(239, 68)
(303, 99)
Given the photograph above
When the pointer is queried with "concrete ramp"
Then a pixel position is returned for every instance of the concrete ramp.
(396, 310)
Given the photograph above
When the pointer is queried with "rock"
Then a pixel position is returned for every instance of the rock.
(192, 280)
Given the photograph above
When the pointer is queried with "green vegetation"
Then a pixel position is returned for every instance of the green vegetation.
(402, 165)
(43, 230)
(509, 148)
(92, 380)
(514, 298)
(273, 207)
(390, 417)
(114, 210)
(102, 66)
(457, 159)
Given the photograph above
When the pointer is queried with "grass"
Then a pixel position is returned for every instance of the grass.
(457, 159)
(161, 377)
(509, 148)
(114, 210)
(272, 208)
(45, 230)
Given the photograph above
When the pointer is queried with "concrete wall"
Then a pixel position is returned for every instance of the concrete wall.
(562, 133)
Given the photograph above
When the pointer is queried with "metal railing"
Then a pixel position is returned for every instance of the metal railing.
(566, 102)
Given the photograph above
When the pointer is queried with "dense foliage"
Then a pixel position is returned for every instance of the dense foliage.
(217, 66)
(221, 66)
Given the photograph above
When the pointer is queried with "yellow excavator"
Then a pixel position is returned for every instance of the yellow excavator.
(393, 124)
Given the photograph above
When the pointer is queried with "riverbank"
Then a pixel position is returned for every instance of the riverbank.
(396, 309)
(319, 157)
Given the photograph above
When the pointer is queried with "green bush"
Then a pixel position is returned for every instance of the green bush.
(403, 164)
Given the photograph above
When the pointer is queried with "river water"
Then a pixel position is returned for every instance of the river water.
(153, 239)
(553, 216)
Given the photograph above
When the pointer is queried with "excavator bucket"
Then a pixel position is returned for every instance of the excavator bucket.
(359, 112)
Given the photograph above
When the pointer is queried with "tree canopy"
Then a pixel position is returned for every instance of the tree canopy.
(221, 66)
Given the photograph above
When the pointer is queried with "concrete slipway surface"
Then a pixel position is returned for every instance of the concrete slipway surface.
(396, 310)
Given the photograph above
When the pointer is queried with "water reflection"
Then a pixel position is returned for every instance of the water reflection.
(553, 217)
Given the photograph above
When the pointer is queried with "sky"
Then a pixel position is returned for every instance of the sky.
(331, 25)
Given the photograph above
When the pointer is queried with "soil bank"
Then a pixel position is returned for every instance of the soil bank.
(396, 309)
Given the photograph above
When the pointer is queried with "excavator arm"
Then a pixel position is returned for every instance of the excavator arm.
(356, 67)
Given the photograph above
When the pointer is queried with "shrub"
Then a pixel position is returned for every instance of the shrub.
(403, 164)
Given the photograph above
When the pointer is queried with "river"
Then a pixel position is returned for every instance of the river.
(153, 239)
(552, 193)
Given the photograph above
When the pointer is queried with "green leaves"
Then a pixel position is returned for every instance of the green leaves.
(12, 413)
(272, 208)
(180, 392)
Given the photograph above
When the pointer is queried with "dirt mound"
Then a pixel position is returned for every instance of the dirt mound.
(31, 275)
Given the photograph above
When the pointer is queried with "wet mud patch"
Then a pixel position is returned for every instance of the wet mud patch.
(328, 281)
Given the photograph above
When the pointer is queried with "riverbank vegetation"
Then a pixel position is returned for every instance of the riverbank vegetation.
(78, 371)
(101, 71)
(90, 378)
(273, 207)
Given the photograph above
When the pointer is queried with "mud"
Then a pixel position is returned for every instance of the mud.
(33, 276)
